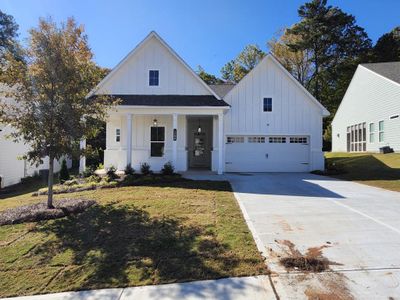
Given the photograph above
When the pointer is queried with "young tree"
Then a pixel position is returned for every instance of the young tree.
(387, 48)
(236, 69)
(207, 77)
(297, 62)
(49, 91)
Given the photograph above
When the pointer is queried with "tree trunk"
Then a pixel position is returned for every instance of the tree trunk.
(50, 183)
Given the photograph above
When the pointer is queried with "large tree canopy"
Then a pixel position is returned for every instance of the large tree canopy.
(8, 38)
(387, 48)
(236, 69)
(49, 88)
(336, 45)
(207, 77)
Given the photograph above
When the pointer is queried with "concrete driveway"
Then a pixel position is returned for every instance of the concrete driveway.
(354, 226)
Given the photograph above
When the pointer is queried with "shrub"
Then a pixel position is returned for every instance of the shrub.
(129, 170)
(64, 174)
(145, 169)
(111, 173)
(129, 179)
(93, 178)
(88, 172)
(100, 166)
(168, 169)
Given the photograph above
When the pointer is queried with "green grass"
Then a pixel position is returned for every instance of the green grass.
(143, 235)
(380, 170)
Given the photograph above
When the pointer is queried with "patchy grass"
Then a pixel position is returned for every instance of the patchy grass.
(172, 232)
(380, 170)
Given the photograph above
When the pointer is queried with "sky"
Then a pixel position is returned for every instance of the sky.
(203, 32)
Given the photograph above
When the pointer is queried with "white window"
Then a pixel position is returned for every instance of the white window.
(117, 135)
(256, 139)
(298, 140)
(277, 139)
(357, 138)
(381, 131)
(372, 132)
(267, 104)
(154, 79)
(157, 141)
(234, 139)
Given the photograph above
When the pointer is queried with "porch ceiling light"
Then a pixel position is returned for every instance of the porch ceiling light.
(155, 122)
(199, 128)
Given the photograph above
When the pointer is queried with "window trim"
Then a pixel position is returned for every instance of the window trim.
(272, 104)
(381, 131)
(148, 78)
(118, 135)
(151, 142)
(371, 133)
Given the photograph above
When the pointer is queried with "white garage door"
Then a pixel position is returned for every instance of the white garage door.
(267, 154)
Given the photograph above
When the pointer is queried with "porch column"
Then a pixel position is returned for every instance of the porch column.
(129, 139)
(82, 159)
(175, 140)
(220, 143)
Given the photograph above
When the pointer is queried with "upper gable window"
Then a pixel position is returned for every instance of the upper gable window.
(154, 78)
(267, 105)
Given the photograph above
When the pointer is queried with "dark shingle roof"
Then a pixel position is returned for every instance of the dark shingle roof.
(170, 100)
(390, 70)
(221, 89)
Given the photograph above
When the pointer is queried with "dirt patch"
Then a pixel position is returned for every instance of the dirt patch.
(39, 211)
(312, 261)
(285, 225)
(331, 286)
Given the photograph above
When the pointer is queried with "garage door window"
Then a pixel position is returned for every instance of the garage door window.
(256, 139)
(277, 139)
(299, 140)
(234, 139)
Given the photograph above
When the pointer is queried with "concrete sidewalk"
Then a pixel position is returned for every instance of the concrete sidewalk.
(241, 288)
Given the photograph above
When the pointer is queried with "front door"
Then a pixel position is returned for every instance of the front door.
(200, 143)
(199, 151)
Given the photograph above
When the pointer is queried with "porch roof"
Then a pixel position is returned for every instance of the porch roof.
(171, 100)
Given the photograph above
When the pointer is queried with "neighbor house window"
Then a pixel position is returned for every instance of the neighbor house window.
(372, 132)
(267, 105)
(277, 139)
(381, 131)
(157, 141)
(117, 135)
(298, 140)
(256, 139)
(154, 78)
(234, 139)
(357, 138)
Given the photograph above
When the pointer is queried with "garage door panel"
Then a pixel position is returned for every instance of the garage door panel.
(267, 157)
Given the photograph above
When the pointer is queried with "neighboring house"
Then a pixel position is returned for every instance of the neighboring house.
(267, 122)
(12, 166)
(369, 116)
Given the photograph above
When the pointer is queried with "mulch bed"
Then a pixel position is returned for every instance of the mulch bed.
(39, 211)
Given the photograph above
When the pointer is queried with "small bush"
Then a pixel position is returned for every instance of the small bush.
(89, 171)
(111, 173)
(129, 179)
(168, 169)
(30, 179)
(64, 174)
(71, 182)
(129, 170)
(145, 169)
(93, 178)
(100, 166)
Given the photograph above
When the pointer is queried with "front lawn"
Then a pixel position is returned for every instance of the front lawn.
(171, 232)
(380, 170)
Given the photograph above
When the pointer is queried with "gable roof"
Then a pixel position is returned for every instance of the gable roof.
(152, 34)
(271, 57)
(222, 89)
(390, 70)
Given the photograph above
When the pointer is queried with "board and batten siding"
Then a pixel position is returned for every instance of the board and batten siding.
(293, 112)
(370, 98)
(132, 77)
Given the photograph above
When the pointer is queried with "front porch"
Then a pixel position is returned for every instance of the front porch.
(189, 138)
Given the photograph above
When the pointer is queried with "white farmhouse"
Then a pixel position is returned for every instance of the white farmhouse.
(369, 116)
(266, 123)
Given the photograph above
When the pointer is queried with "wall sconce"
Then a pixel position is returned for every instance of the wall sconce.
(199, 128)
(155, 122)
